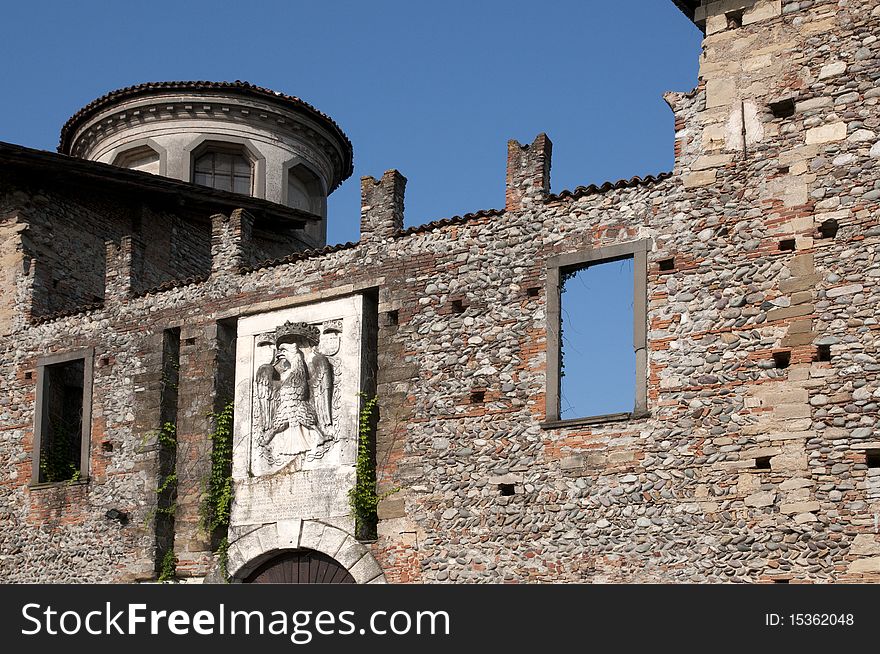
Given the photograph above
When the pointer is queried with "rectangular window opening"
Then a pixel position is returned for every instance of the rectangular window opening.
(667, 264)
(734, 19)
(533, 291)
(780, 581)
(392, 318)
(762, 463)
(61, 422)
(787, 245)
(782, 359)
(828, 228)
(783, 108)
(872, 458)
(478, 397)
(823, 353)
(597, 358)
(457, 306)
(506, 490)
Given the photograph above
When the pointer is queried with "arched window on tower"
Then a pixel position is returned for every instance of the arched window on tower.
(142, 158)
(224, 170)
(304, 190)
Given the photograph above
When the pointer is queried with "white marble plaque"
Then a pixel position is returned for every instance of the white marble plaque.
(308, 494)
(298, 379)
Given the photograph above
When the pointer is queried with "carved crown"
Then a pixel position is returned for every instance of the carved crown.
(295, 331)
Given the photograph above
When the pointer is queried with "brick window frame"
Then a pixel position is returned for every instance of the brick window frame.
(87, 355)
(638, 251)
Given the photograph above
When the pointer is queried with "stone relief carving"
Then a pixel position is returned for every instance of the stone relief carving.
(296, 395)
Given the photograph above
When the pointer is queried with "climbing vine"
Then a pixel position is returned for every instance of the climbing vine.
(166, 494)
(218, 502)
(57, 461)
(363, 498)
(168, 570)
(217, 505)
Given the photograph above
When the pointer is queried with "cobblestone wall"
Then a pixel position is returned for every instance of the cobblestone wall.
(762, 338)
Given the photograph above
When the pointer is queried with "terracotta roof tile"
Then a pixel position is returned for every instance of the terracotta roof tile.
(592, 189)
(299, 256)
(238, 86)
(171, 284)
(40, 320)
(445, 222)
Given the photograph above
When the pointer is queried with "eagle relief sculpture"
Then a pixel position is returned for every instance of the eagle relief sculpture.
(293, 398)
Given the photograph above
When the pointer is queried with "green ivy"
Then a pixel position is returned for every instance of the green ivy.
(166, 488)
(168, 435)
(218, 503)
(223, 556)
(363, 498)
(56, 461)
(169, 567)
(169, 482)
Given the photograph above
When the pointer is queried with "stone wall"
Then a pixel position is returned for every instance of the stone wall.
(762, 350)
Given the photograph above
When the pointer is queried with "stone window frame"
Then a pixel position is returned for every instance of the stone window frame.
(141, 145)
(223, 143)
(638, 251)
(88, 357)
(288, 167)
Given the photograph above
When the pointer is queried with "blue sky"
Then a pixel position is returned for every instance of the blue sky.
(432, 89)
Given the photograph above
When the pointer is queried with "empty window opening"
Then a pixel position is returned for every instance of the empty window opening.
(104, 361)
(783, 170)
(823, 353)
(786, 245)
(107, 446)
(872, 458)
(457, 306)
(782, 359)
(828, 229)
(189, 341)
(597, 357)
(533, 291)
(505, 490)
(734, 19)
(226, 171)
(28, 375)
(783, 108)
(780, 581)
(762, 463)
(478, 397)
(667, 264)
(62, 422)
(392, 317)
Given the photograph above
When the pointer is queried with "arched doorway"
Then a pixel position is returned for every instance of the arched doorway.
(300, 567)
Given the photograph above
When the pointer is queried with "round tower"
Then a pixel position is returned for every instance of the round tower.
(232, 136)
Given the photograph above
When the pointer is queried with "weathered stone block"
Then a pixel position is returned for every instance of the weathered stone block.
(701, 178)
(799, 507)
(826, 133)
(763, 10)
(761, 499)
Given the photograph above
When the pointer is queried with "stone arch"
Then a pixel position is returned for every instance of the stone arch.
(263, 543)
(300, 567)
